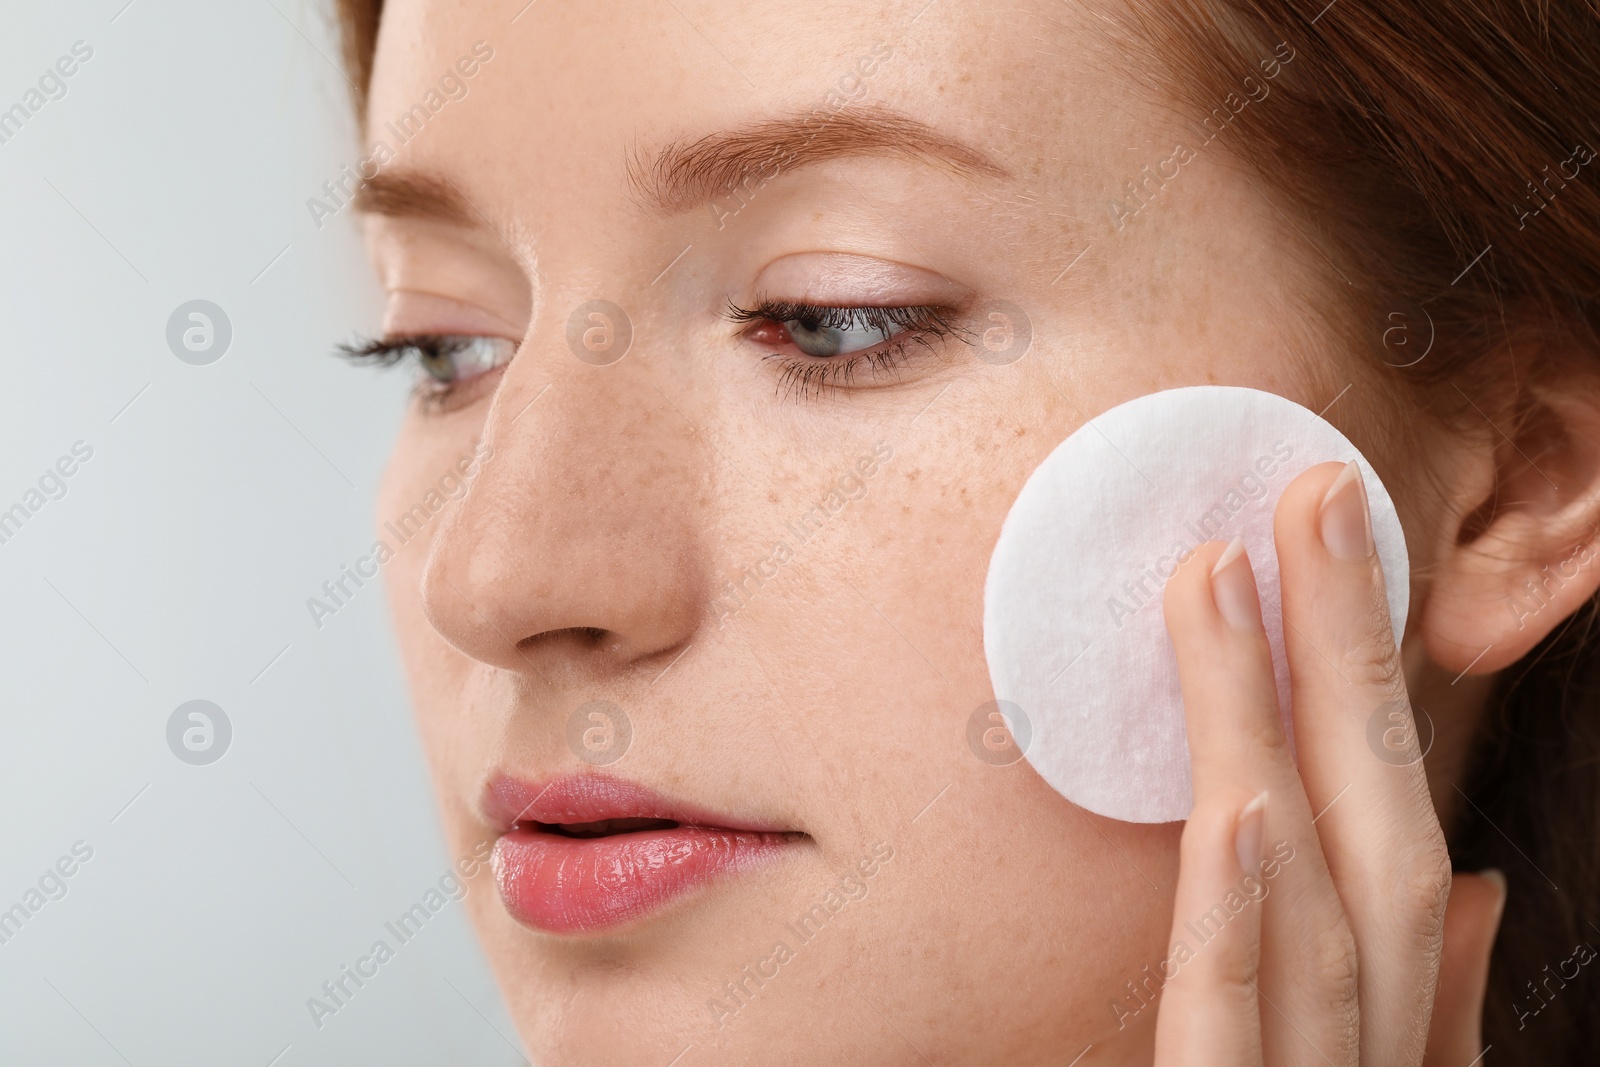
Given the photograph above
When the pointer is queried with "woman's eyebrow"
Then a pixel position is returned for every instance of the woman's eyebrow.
(684, 174)
(412, 194)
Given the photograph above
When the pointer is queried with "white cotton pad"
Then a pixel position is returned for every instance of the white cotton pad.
(1072, 619)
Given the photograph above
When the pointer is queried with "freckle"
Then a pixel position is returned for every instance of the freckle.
(816, 216)
(911, 476)
(772, 498)
(1022, 431)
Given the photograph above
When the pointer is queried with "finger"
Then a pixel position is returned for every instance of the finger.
(1210, 1013)
(1376, 821)
(1230, 701)
(1470, 924)
(1236, 739)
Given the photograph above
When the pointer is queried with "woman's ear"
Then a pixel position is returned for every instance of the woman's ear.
(1526, 548)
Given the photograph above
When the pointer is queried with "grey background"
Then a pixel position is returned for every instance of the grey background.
(177, 566)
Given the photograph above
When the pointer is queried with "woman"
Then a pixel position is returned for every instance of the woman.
(683, 277)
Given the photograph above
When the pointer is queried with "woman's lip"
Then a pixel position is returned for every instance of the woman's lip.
(595, 797)
(562, 884)
(565, 885)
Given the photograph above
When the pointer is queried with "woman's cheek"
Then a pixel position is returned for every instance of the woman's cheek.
(1056, 907)
(419, 490)
(402, 574)
(1054, 898)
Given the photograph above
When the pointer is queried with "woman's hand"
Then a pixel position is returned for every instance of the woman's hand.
(1310, 921)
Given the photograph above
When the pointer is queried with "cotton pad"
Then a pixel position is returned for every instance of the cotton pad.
(1072, 618)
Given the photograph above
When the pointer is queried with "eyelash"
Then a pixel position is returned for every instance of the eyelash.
(434, 394)
(816, 375)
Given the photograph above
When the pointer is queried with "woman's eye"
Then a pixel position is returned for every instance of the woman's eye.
(841, 346)
(452, 360)
(447, 361)
(816, 338)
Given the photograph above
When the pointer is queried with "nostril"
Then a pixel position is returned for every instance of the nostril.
(589, 636)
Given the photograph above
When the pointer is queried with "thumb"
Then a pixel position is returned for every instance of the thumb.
(1470, 923)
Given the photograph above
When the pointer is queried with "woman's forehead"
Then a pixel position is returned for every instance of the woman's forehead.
(1034, 88)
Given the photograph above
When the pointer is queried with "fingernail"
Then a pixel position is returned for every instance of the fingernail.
(1247, 837)
(1346, 523)
(1233, 589)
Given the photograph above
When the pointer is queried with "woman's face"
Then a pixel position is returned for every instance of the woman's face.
(763, 547)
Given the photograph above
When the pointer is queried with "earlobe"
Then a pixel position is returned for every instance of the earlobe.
(1527, 555)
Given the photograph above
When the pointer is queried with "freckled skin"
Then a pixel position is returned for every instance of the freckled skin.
(626, 499)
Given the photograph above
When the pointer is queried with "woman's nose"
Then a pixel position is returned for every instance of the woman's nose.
(577, 549)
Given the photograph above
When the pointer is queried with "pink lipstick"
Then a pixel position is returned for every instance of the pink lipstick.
(585, 853)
